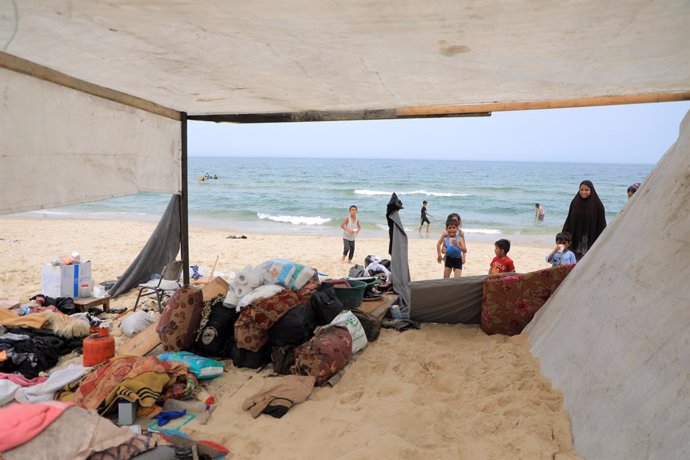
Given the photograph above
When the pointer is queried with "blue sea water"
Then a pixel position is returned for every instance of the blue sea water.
(311, 196)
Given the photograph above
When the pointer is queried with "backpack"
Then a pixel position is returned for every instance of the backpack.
(326, 304)
(356, 271)
(294, 328)
(217, 331)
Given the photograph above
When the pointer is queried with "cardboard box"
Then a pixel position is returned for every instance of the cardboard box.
(64, 280)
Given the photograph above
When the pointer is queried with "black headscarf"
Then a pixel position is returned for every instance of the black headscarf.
(586, 220)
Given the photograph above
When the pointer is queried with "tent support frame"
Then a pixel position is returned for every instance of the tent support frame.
(184, 217)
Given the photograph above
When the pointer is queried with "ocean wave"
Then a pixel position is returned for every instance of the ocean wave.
(295, 220)
(415, 192)
(482, 231)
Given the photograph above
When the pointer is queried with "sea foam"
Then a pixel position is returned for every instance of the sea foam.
(482, 231)
(414, 192)
(295, 220)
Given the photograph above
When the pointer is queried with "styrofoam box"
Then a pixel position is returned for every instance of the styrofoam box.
(64, 280)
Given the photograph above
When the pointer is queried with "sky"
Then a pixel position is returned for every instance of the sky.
(638, 134)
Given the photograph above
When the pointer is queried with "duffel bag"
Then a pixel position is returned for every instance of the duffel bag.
(324, 355)
(251, 359)
(294, 328)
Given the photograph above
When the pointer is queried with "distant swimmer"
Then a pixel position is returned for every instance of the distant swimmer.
(539, 212)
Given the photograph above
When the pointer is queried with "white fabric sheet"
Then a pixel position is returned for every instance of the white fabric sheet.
(59, 146)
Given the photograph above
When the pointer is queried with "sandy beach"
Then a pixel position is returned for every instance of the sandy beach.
(112, 245)
(445, 391)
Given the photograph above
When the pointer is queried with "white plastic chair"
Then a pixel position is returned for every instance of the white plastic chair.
(164, 286)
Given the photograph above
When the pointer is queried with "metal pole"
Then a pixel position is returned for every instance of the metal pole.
(184, 222)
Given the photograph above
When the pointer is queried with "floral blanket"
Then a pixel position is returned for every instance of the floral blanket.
(510, 302)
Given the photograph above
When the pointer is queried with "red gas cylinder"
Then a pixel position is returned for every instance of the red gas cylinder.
(98, 347)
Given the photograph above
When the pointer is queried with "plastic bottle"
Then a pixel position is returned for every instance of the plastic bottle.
(85, 289)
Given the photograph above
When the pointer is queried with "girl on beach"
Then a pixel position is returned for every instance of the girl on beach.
(586, 219)
(456, 217)
(351, 228)
(453, 247)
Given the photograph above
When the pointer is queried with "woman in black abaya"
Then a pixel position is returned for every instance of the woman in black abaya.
(586, 219)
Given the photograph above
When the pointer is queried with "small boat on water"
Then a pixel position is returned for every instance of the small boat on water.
(207, 177)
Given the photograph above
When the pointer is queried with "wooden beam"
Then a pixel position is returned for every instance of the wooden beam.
(19, 65)
(432, 111)
(315, 115)
(469, 110)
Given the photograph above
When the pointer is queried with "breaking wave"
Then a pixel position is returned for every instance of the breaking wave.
(295, 220)
(415, 192)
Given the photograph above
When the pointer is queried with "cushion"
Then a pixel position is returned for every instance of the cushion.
(265, 312)
(248, 334)
(180, 319)
(510, 302)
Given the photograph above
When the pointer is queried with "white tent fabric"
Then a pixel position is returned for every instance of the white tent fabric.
(263, 56)
(60, 146)
(615, 336)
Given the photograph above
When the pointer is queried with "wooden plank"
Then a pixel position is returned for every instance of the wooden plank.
(216, 287)
(379, 307)
(451, 110)
(440, 111)
(142, 343)
(20, 65)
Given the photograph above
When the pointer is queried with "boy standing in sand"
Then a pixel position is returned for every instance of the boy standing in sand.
(561, 254)
(454, 247)
(425, 218)
(501, 263)
(351, 228)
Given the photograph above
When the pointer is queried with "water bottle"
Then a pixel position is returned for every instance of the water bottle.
(85, 289)
(395, 312)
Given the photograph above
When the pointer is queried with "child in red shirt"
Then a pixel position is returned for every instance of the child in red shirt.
(501, 263)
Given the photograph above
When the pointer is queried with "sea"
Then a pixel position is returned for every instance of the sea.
(311, 196)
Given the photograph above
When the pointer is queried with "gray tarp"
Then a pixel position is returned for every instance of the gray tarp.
(161, 248)
(397, 248)
(451, 301)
